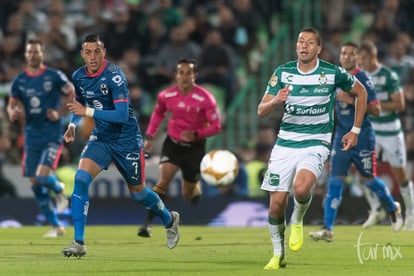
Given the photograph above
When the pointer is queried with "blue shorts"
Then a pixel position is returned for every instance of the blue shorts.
(47, 155)
(126, 154)
(362, 156)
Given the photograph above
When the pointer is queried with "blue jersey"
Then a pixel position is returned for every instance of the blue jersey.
(345, 113)
(116, 136)
(102, 91)
(363, 154)
(38, 93)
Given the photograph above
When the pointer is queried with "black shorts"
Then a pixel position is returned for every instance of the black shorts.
(187, 156)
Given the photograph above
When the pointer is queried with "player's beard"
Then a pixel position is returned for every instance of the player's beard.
(34, 64)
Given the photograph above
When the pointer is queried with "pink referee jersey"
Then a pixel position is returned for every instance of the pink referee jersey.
(197, 111)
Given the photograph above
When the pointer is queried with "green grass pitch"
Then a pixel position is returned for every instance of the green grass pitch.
(117, 250)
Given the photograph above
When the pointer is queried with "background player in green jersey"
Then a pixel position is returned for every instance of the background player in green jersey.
(389, 135)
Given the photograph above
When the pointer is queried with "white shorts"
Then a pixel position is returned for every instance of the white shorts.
(393, 149)
(284, 162)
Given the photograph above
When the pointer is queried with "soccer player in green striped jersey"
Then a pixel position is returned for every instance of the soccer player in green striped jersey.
(389, 134)
(305, 89)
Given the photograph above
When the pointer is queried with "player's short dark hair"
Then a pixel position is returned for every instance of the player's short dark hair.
(369, 47)
(35, 41)
(351, 44)
(315, 32)
(93, 38)
(188, 61)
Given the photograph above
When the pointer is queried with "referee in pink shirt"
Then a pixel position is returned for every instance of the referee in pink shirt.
(193, 116)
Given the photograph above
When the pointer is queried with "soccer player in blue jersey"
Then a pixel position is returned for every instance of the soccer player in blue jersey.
(102, 93)
(362, 155)
(35, 99)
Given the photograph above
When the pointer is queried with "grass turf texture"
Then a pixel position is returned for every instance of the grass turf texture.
(116, 250)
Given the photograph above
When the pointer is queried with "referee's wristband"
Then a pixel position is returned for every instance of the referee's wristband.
(89, 112)
(356, 130)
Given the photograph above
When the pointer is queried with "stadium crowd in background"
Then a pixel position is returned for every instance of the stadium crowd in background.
(137, 32)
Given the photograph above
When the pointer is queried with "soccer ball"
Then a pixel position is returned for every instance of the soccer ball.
(219, 167)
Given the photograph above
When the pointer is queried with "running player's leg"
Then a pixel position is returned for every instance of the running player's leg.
(376, 212)
(151, 201)
(167, 171)
(129, 160)
(168, 167)
(277, 227)
(41, 193)
(190, 168)
(45, 174)
(80, 197)
(86, 172)
(339, 167)
(95, 158)
(398, 163)
(309, 167)
(392, 207)
(136, 184)
(42, 198)
(381, 190)
(47, 165)
(395, 155)
(277, 182)
(332, 201)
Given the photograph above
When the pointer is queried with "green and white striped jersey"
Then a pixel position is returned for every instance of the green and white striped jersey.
(308, 118)
(387, 82)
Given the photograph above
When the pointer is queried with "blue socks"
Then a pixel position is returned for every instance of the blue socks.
(49, 181)
(334, 197)
(381, 190)
(42, 198)
(152, 201)
(332, 201)
(80, 203)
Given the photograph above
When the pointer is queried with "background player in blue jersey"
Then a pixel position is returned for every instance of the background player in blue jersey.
(362, 155)
(102, 93)
(35, 99)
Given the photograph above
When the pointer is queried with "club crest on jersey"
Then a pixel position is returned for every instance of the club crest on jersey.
(47, 86)
(323, 79)
(104, 89)
(273, 81)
